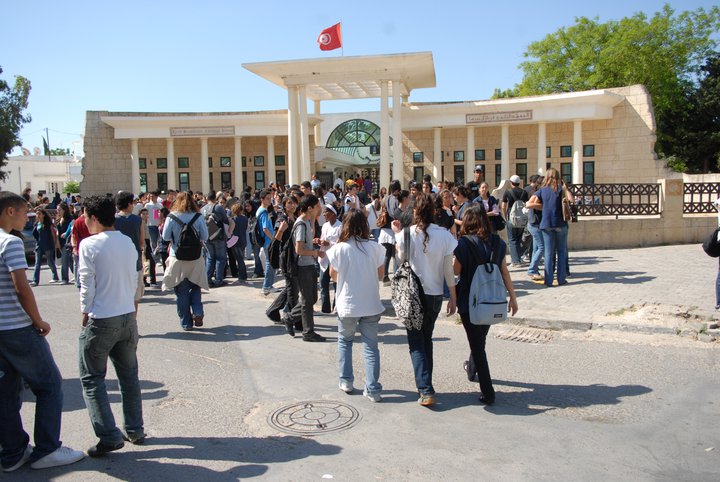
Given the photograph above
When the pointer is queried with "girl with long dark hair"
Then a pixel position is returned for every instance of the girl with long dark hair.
(387, 214)
(63, 221)
(476, 229)
(430, 253)
(47, 244)
(356, 264)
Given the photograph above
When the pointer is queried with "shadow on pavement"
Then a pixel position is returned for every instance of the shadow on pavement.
(537, 398)
(186, 458)
(73, 395)
(222, 333)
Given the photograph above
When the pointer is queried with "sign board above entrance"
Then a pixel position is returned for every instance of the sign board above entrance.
(202, 131)
(516, 115)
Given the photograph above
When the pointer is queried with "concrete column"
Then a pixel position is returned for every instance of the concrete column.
(505, 146)
(384, 136)
(305, 167)
(470, 153)
(172, 176)
(541, 146)
(437, 154)
(317, 133)
(237, 167)
(204, 169)
(271, 160)
(134, 166)
(292, 159)
(397, 150)
(577, 152)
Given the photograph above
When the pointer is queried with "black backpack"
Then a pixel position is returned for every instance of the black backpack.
(257, 236)
(288, 255)
(188, 247)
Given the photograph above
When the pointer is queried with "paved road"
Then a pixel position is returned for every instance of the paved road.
(570, 408)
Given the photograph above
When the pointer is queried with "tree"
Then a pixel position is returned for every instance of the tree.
(664, 53)
(13, 103)
(693, 134)
(72, 187)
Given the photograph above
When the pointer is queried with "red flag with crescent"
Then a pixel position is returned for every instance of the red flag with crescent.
(330, 38)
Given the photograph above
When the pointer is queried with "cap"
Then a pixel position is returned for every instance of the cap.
(329, 207)
(478, 168)
(350, 183)
(515, 179)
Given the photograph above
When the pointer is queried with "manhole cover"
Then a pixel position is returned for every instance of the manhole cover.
(314, 418)
(526, 335)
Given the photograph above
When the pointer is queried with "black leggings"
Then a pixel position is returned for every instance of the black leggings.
(389, 255)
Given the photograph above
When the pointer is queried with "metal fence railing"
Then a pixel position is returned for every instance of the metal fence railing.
(699, 197)
(617, 199)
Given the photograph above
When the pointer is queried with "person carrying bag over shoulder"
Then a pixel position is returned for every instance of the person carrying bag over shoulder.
(476, 235)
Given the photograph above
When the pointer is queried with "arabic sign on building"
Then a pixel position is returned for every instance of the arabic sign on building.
(516, 115)
(202, 131)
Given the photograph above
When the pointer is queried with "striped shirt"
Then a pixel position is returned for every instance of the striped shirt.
(12, 258)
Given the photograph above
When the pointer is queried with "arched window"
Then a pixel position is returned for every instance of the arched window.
(350, 135)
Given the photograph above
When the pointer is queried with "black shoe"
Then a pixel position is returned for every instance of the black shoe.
(101, 449)
(313, 337)
(134, 439)
(289, 326)
(486, 401)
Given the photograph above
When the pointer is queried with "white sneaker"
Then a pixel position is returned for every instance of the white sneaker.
(62, 456)
(373, 397)
(345, 386)
(25, 457)
(53, 281)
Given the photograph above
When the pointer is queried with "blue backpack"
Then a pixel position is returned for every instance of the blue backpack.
(487, 298)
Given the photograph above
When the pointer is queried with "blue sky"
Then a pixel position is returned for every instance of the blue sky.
(186, 56)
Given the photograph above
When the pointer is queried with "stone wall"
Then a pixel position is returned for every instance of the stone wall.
(106, 166)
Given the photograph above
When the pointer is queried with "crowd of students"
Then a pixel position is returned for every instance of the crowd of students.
(345, 238)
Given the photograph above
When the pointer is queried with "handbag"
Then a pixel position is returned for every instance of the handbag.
(567, 210)
(711, 246)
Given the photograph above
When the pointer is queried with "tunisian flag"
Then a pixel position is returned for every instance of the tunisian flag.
(330, 38)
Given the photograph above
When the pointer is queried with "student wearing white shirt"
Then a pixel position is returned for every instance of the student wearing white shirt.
(431, 258)
(356, 264)
(373, 211)
(108, 281)
(329, 234)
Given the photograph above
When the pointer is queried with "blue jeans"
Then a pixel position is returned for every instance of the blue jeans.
(369, 332)
(555, 241)
(66, 264)
(50, 259)
(248, 246)
(216, 260)
(154, 236)
(259, 272)
(538, 249)
(514, 242)
(239, 253)
(269, 271)
(76, 270)
(115, 338)
(421, 347)
(376, 234)
(25, 355)
(189, 302)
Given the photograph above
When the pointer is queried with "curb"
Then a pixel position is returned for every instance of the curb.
(549, 324)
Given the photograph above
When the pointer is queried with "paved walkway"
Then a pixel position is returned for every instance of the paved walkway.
(610, 286)
(596, 409)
